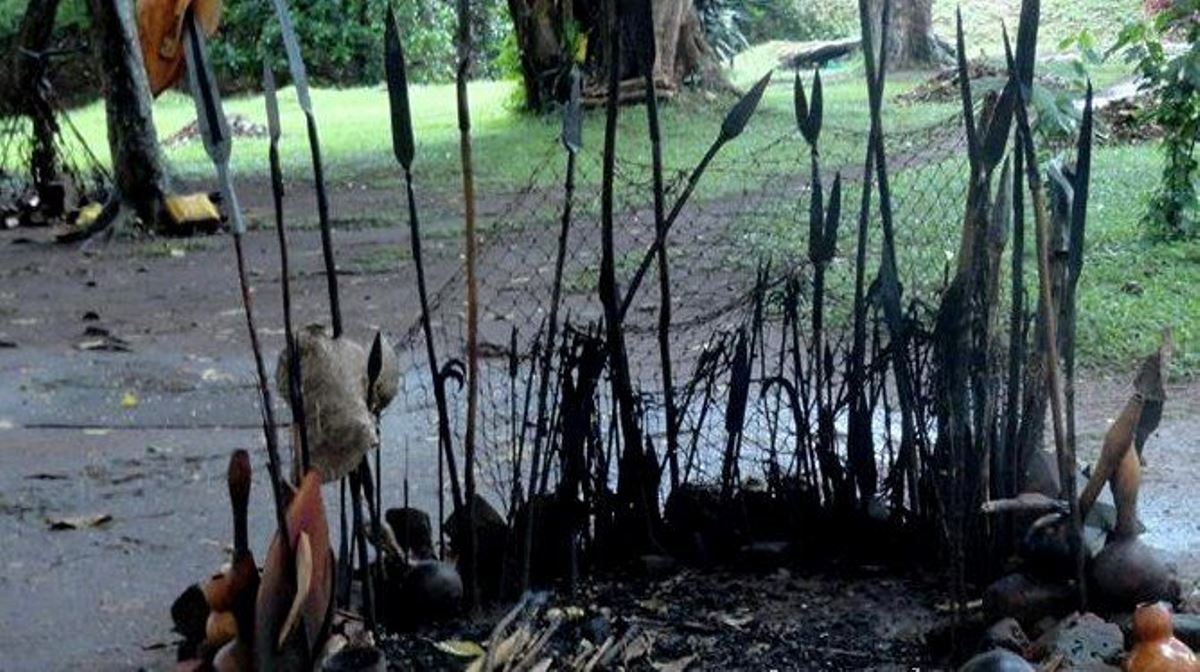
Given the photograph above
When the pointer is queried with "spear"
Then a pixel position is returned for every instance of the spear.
(404, 149)
(643, 22)
(300, 81)
(1064, 449)
(214, 130)
(888, 281)
(472, 244)
(295, 393)
(291, 46)
(572, 140)
(733, 125)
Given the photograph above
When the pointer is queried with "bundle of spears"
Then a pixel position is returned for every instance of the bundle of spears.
(961, 443)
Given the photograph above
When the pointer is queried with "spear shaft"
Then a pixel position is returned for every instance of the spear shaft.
(404, 150)
(214, 129)
(295, 388)
(300, 81)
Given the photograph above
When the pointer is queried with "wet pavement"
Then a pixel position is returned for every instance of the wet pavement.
(144, 436)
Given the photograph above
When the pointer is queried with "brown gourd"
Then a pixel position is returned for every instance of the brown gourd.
(1156, 649)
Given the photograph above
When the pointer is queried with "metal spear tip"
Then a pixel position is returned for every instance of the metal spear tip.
(397, 81)
(572, 130)
(295, 61)
(272, 101)
(210, 117)
(735, 122)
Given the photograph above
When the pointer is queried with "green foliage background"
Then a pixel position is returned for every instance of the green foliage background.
(340, 47)
(800, 19)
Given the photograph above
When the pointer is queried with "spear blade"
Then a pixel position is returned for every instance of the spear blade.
(397, 83)
(816, 110)
(272, 102)
(292, 47)
(300, 80)
(739, 115)
(572, 128)
(210, 117)
(214, 128)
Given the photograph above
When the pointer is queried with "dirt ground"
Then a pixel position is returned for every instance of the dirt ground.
(142, 434)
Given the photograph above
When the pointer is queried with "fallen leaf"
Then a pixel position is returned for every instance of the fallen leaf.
(737, 622)
(211, 375)
(103, 344)
(947, 607)
(654, 605)
(678, 665)
(460, 648)
(638, 648)
(155, 646)
(79, 522)
(46, 476)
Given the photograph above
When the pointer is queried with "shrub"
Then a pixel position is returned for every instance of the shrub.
(1174, 76)
(342, 42)
(800, 19)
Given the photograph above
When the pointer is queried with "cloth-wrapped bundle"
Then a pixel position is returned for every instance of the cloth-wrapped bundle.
(160, 33)
(339, 413)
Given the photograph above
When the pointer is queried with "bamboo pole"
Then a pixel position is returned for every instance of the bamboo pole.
(472, 252)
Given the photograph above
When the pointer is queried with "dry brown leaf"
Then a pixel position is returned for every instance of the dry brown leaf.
(460, 648)
(637, 648)
(677, 665)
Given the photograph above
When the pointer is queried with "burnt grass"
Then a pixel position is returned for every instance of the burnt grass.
(863, 618)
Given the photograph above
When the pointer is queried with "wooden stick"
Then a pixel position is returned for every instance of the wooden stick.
(472, 251)
(1066, 456)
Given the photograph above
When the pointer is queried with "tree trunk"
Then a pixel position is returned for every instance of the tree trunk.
(139, 171)
(910, 41)
(26, 92)
(541, 27)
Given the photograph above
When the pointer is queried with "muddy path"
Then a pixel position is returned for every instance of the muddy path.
(142, 433)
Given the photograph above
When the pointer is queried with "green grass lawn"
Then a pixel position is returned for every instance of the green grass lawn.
(1130, 288)
(356, 138)
(1060, 19)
